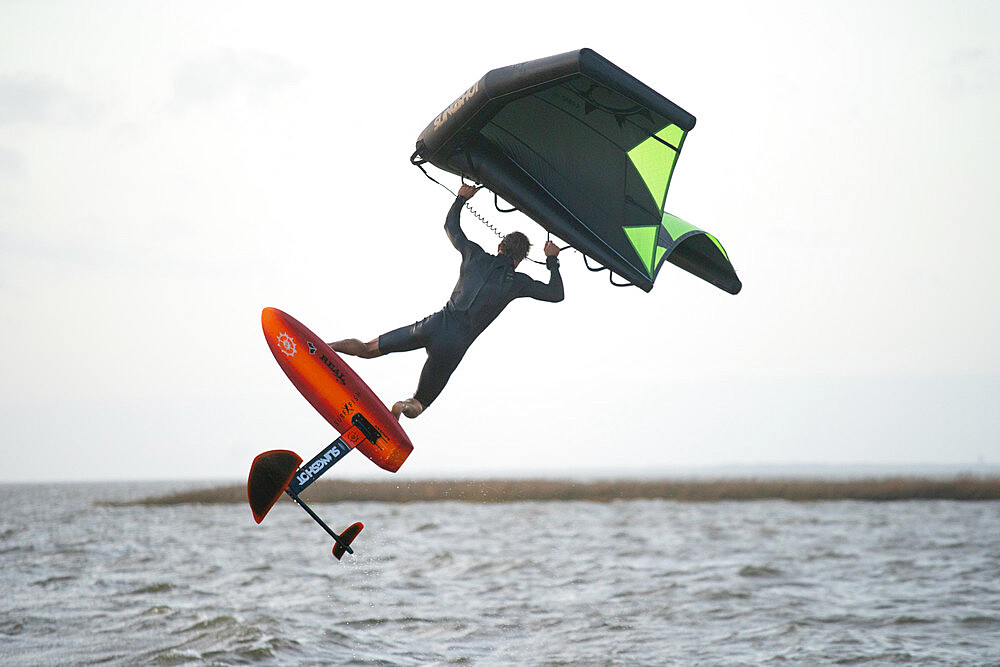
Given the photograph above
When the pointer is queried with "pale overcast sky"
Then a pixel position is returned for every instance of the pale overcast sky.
(169, 169)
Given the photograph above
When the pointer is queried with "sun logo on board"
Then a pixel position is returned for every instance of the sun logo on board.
(287, 344)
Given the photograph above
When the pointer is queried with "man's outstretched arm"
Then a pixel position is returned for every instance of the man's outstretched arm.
(553, 290)
(452, 223)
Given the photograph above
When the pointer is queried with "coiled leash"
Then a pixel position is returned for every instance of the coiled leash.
(419, 162)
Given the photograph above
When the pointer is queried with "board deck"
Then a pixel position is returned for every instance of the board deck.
(335, 390)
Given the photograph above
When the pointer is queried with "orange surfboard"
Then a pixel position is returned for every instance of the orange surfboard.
(335, 390)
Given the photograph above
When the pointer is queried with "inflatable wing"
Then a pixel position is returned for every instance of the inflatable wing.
(585, 150)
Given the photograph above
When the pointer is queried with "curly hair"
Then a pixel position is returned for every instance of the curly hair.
(515, 245)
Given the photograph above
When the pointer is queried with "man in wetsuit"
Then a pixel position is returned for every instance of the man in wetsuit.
(486, 284)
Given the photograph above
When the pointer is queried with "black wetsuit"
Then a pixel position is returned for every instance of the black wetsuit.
(486, 284)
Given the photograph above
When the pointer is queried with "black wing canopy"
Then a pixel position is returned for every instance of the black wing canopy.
(585, 150)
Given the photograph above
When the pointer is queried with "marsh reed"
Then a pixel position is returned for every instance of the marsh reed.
(513, 490)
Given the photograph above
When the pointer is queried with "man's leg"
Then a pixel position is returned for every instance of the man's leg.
(356, 348)
(436, 371)
(433, 377)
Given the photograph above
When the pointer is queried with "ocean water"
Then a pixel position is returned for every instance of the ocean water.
(636, 582)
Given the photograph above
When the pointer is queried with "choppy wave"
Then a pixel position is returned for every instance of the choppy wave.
(632, 582)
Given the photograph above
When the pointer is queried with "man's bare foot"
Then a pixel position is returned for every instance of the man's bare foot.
(411, 407)
(357, 348)
(351, 346)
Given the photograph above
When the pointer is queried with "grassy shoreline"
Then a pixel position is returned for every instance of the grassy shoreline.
(966, 488)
